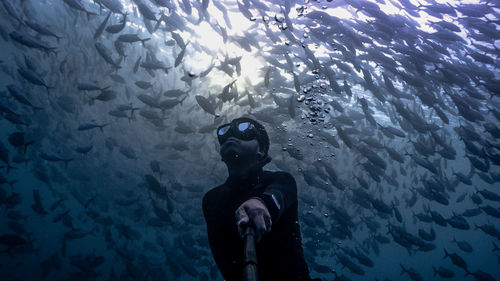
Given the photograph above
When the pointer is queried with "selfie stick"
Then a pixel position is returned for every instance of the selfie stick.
(250, 255)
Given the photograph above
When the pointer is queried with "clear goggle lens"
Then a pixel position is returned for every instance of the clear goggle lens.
(244, 126)
(222, 131)
(243, 130)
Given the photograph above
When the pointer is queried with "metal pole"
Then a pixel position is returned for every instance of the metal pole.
(250, 255)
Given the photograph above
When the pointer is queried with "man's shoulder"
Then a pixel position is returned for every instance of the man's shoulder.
(210, 196)
(279, 176)
(213, 192)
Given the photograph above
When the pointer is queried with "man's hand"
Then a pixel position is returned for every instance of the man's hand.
(254, 210)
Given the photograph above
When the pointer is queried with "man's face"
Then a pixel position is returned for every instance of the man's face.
(234, 149)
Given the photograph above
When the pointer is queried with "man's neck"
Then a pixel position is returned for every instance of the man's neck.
(241, 172)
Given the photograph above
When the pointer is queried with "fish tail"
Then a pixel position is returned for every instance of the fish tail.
(445, 253)
(144, 40)
(435, 270)
(9, 167)
(35, 108)
(66, 161)
(63, 247)
(102, 126)
(184, 98)
(93, 230)
(90, 13)
(495, 247)
(12, 182)
(403, 269)
(53, 50)
(25, 146)
(426, 208)
(8, 251)
(157, 25)
(132, 111)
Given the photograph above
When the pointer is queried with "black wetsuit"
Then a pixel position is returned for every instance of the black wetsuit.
(279, 252)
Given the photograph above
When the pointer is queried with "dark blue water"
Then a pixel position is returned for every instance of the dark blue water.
(120, 171)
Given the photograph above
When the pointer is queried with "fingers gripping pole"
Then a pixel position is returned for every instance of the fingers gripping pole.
(250, 255)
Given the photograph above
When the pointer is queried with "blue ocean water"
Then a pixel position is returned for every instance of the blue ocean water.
(114, 154)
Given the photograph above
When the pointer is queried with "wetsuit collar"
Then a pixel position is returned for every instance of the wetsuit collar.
(252, 178)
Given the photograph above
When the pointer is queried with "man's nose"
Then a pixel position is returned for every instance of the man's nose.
(232, 139)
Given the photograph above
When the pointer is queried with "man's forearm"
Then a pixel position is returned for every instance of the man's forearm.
(278, 199)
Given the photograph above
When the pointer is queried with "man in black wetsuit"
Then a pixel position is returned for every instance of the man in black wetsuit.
(267, 200)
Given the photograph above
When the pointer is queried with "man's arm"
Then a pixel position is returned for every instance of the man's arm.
(266, 207)
(204, 205)
(219, 249)
(279, 195)
(207, 203)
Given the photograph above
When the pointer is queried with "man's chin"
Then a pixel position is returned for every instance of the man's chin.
(232, 156)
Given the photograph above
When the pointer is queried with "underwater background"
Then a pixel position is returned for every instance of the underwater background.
(386, 113)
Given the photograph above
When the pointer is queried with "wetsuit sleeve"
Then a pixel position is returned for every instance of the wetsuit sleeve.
(279, 195)
(219, 251)
(204, 205)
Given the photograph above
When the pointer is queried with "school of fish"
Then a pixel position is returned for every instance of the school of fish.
(386, 112)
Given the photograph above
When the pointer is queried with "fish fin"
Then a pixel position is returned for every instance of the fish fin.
(66, 161)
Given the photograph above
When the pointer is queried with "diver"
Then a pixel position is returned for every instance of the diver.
(250, 196)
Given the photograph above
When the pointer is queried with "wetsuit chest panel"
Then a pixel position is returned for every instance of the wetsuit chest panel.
(279, 252)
